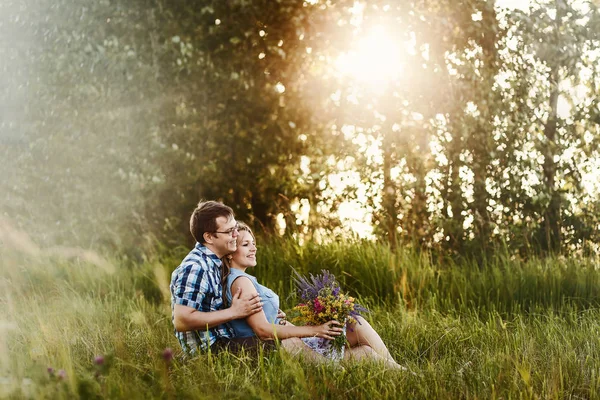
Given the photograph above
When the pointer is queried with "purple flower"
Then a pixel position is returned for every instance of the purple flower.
(99, 360)
(50, 371)
(358, 311)
(62, 374)
(309, 288)
(167, 355)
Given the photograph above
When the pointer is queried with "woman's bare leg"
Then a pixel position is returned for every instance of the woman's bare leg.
(296, 347)
(361, 353)
(362, 333)
(365, 352)
(365, 344)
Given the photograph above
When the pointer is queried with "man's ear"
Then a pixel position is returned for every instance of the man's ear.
(208, 237)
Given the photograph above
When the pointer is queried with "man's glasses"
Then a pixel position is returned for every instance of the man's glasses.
(230, 231)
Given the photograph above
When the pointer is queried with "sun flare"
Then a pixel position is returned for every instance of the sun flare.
(376, 59)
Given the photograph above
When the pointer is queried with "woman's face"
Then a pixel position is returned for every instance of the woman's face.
(245, 255)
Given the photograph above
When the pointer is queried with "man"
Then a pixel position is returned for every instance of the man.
(196, 291)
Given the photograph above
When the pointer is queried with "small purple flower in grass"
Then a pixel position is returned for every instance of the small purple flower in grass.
(50, 371)
(62, 374)
(102, 364)
(167, 355)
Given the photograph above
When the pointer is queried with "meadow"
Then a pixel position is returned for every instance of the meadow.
(74, 327)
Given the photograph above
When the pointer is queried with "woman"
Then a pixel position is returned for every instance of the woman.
(363, 341)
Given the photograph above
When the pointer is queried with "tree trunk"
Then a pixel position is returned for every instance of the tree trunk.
(260, 212)
(453, 199)
(483, 144)
(552, 239)
(480, 199)
(419, 211)
(389, 192)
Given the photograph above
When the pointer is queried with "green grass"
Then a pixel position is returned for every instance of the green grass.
(505, 330)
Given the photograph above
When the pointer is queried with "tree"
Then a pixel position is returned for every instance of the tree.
(557, 34)
(83, 81)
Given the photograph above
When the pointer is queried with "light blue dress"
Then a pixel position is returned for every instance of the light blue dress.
(269, 299)
(271, 308)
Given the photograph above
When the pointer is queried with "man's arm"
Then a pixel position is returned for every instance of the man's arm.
(189, 319)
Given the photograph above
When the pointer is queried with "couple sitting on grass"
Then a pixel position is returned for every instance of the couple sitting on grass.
(216, 305)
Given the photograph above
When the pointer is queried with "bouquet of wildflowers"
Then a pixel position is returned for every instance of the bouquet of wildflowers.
(322, 300)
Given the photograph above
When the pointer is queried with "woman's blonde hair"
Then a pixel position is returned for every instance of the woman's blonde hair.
(226, 261)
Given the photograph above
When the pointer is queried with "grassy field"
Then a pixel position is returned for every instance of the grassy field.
(503, 329)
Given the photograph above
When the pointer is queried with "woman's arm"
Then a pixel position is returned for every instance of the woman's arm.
(267, 331)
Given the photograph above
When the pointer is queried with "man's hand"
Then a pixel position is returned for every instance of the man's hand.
(245, 306)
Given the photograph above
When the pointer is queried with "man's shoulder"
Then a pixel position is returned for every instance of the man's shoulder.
(196, 261)
(195, 257)
(198, 255)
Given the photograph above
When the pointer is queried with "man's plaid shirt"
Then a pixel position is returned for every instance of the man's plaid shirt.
(196, 283)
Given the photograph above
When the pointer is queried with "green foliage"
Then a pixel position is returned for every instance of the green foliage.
(235, 131)
(117, 117)
(83, 87)
(557, 37)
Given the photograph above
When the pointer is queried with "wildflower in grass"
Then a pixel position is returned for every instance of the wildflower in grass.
(167, 355)
(322, 301)
(50, 371)
(62, 374)
(102, 364)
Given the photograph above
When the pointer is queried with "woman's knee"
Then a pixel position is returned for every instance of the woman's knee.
(361, 322)
(292, 345)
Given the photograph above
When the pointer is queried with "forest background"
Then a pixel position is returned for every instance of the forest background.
(452, 126)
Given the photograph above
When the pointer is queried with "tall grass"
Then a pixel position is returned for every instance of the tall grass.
(505, 330)
(412, 279)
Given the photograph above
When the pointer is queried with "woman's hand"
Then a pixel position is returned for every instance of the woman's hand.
(281, 317)
(281, 314)
(329, 330)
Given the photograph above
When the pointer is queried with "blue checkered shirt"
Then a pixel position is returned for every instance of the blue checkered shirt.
(196, 283)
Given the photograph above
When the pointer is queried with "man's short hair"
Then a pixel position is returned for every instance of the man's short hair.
(204, 218)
